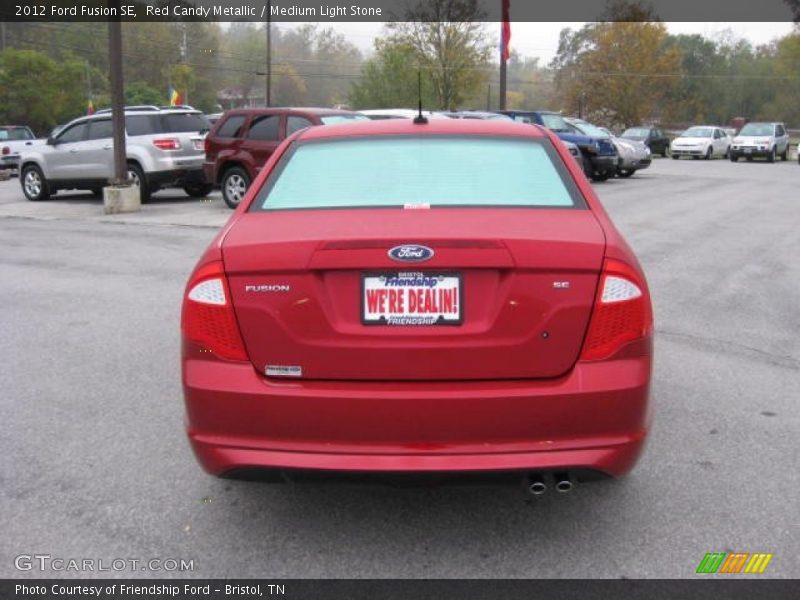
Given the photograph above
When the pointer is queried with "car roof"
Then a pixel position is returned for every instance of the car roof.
(432, 127)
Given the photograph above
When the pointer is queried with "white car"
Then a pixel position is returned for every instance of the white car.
(706, 141)
(769, 140)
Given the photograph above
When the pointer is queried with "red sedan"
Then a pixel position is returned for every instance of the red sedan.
(443, 297)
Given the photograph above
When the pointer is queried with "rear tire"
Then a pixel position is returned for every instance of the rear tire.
(772, 155)
(198, 190)
(235, 183)
(664, 152)
(600, 175)
(675, 157)
(137, 177)
(733, 157)
(34, 184)
(97, 192)
(626, 172)
(785, 154)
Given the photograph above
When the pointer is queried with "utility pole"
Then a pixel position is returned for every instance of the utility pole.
(117, 96)
(268, 90)
(184, 52)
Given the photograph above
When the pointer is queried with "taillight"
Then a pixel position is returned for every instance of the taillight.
(167, 144)
(6, 150)
(208, 318)
(206, 145)
(621, 312)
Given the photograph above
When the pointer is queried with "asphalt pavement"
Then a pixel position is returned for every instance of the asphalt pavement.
(94, 463)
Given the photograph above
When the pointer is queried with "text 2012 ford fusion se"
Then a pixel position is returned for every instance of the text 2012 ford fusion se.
(427, 298)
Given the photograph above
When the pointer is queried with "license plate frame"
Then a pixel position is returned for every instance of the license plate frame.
(449, 280)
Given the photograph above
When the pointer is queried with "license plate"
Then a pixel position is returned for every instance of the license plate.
(411, 299)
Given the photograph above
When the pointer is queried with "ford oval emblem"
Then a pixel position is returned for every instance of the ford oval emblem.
(410, 253)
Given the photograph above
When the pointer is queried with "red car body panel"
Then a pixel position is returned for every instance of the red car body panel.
(492, 394)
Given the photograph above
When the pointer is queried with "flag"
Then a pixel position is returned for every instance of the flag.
(90, 107)
(505, 35)
(174, 96)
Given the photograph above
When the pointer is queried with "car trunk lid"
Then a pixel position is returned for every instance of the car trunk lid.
(526, 282)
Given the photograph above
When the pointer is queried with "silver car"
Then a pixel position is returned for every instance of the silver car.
(768, 140)
(163, 145)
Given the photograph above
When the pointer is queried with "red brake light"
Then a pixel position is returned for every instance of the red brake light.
(167, 144)
(206, 145)
(621, 312)
(6, 150)
(207, 317)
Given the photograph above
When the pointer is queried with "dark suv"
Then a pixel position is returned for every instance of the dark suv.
(599, 156)
(243, 139)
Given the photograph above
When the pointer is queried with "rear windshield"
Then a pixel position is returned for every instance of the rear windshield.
(698, 132)
(333, 119)
(636, 132)
(408, 170)
(166, 123)
(15, 133)
(554, 122)
(757, 129)
(589, 129)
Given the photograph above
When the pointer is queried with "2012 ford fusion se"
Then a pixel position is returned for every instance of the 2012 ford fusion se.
(413, 297)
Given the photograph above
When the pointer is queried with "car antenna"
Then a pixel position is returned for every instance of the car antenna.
(420, 119)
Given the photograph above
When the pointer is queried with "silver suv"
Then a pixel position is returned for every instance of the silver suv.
(769, 140)
(164, 149)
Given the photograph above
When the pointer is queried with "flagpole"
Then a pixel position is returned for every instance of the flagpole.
(505, 39)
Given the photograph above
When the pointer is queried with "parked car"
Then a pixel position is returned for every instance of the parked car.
(706, 141)
(160, 153)
(768, 140)
(653, 137)
(441, 298)
(377, 114)
(599, 156)
(241, 142)
(474, 114)
(14, 139)
(633, 155)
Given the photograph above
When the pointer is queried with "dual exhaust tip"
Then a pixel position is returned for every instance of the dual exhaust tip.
(536, 485)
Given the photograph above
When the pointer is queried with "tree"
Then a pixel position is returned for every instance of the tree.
(389, 79)
(37, 91)
(139, 92)
(625, 70)
(450, 46)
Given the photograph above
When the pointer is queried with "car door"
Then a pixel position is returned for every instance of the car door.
(716, 142)
(781, 138)
(97, 152)
(263, 136)
(64, 159)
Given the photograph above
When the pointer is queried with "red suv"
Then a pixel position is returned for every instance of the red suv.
(243, 139)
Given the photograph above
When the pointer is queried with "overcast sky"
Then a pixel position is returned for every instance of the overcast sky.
(541, 39)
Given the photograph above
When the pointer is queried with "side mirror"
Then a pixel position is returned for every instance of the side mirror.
(51, 141)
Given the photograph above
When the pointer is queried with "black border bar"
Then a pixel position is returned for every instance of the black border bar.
(333, 11)
(415, 589)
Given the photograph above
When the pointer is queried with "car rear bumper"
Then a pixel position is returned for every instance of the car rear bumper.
(9, 161)
(595, 418)
(176, 177)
